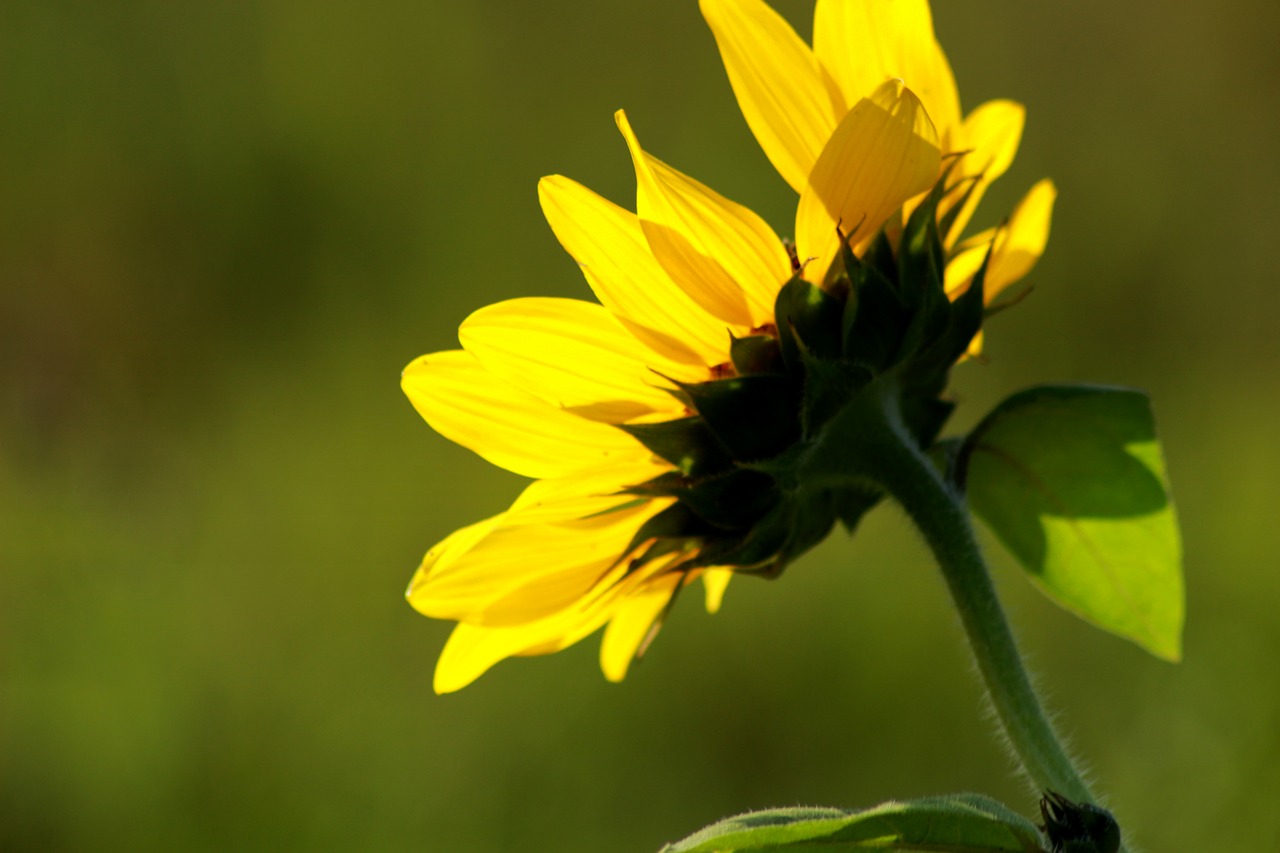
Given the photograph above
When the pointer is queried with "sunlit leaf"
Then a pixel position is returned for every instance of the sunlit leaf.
(1072, 480)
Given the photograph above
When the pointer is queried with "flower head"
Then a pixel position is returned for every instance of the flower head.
(670, 425)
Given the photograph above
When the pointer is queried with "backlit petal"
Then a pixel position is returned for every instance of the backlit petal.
(572, 354)
(473, 649)
(610, 247)
(726, 257)
(504, 424)
(714, 582)
(863, 43)
(779, 84)
(884, 152)
(1018, 245)
(632, 621)
(449, 549)
(991, 134)
(524, 572)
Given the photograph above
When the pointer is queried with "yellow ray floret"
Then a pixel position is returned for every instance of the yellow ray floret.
(796, 99)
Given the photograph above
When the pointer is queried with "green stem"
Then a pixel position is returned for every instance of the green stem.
(878, 447)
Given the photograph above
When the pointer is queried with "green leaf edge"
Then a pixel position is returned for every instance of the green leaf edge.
(815, 828)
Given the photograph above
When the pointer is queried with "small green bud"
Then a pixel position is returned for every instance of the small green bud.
(1078, 827)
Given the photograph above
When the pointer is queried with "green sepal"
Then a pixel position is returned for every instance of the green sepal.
(962, 823)
(668, 484)
(686, 443)
(875, 320)
(808, 318)
(828, 385)
(852, 504)
(793, 526)
(754, 354)
(948, 220)
(753, 417)
(670, 529)
(733, 501)
(879, 256)
(964, 321)
(1071, 479)
(758, 546)
(921, 271)
(921, 260)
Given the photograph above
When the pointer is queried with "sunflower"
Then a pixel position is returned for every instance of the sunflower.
(674, 429)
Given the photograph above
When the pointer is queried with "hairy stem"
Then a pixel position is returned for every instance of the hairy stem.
(882, 451)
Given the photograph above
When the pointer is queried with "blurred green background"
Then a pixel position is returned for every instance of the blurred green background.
(225, 227)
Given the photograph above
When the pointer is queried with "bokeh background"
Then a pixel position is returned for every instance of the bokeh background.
(225, 227)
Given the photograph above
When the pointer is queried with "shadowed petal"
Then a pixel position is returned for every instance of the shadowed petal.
(726, 257)
(572, 354)
(990, 134)
(884, 152)
(780, 86)
(715, 582)
(863, 43)
(1018, 246)
(473, 649)
(524, 572)
(507, 426)
(632, 621)
(610, 247)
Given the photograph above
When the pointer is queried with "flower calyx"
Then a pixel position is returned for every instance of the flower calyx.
(754, 478)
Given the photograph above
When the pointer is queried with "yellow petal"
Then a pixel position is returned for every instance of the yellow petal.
(884, 152)
(524, 572)
(473, 649)
(504, 424)
(715, 582)
(1018, 245)
(610, 247)
(632, 621)
(454, 545)
(725, 257)
(991, 134)
(779, 84)
(572, 354)
(552, 499)
(862, 43)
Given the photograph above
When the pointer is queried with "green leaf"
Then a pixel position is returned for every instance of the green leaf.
(1072, 480)
(965, 823)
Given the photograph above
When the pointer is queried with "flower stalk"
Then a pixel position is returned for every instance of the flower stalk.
(881, 452)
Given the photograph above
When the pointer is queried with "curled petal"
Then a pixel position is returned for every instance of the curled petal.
(726, 257)
(610, 247)
(781, 88)
(884, 152)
